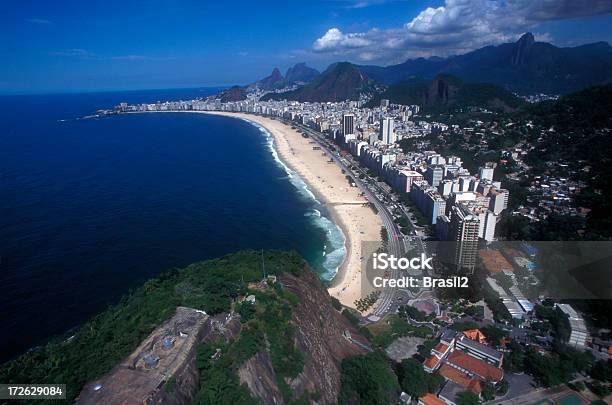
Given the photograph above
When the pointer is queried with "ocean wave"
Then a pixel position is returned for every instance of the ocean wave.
(334, 251)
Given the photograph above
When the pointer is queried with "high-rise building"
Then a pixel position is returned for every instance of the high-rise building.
(489, 226)
(498, 200)
(386, 134)
(434, 175)
(486, 171)
(464, 229)
(384, 103)
(348, 124)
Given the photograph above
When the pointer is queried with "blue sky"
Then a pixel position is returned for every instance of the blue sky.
(75, 45)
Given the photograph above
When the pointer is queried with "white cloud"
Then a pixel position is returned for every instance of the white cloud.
(457, 27)
(334, 38)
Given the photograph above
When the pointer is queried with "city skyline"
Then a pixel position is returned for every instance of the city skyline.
(75, 47)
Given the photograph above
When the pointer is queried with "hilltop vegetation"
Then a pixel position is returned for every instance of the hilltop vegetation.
(576, 130)
(268, 327)
(448, 93)
(109, 337)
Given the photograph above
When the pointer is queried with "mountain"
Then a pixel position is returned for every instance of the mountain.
(300, 73)
(235, 93)
(269, 82)
(525, 66)
(285, 345)
(447, 92)
(341, 81)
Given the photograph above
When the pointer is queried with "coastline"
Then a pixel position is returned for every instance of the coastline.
(357, 222)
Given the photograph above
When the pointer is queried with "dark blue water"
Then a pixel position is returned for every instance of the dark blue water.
(92, 208)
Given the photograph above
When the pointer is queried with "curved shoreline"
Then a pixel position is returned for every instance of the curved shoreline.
(346, 207)
(319, 197)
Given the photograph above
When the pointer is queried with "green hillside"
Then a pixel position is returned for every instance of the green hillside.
(111, 336)
(448, 93)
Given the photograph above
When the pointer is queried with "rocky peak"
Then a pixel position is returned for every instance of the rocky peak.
(522, 49)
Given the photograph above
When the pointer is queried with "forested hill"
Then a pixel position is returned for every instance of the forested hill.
(578, 132)
(526, 66)
(448, 93)
(288, 344)
(341, 81)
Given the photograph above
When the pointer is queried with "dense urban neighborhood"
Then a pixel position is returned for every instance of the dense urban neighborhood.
(469, 177)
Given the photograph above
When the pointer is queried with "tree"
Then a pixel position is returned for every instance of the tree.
(413, 313)
(465, 325)
(414, 379)
(494, 334)
(602, 371)
(384, 235)
(502, 388)
(467, 398)
(367, 380)
(514, 359)
(336, 304)
(557, 319)
(434, 382)
(488, 391)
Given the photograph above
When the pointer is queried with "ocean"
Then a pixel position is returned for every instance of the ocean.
(90, 209)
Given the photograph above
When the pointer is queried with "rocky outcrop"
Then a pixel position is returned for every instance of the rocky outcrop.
(162, 370)
(258, 374)
(522, 49)
(270, 82)
(300, 73)
(321, 334)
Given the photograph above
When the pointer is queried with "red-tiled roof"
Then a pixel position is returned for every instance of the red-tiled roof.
(431, 362)
(431, 399)
(460, 378)
(475, 334)
(476, 366)
(441, 348)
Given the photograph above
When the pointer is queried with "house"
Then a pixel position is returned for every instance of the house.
(479, 350)
(474, 366)
(430, 399)
(475, 334)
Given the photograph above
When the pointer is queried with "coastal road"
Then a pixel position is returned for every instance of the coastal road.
(395, 244)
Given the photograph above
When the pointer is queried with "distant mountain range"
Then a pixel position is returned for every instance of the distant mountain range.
(525, 67)
(483, 78)
(447, 92)
(341, 81)
(298, 74)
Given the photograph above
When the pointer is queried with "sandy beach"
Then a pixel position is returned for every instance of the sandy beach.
(326, 180)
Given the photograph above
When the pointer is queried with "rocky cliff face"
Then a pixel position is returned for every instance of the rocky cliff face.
(269, 82)
(320, 334)
(300, 73)
(441, 91)
(163, 368)
(522, 49)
